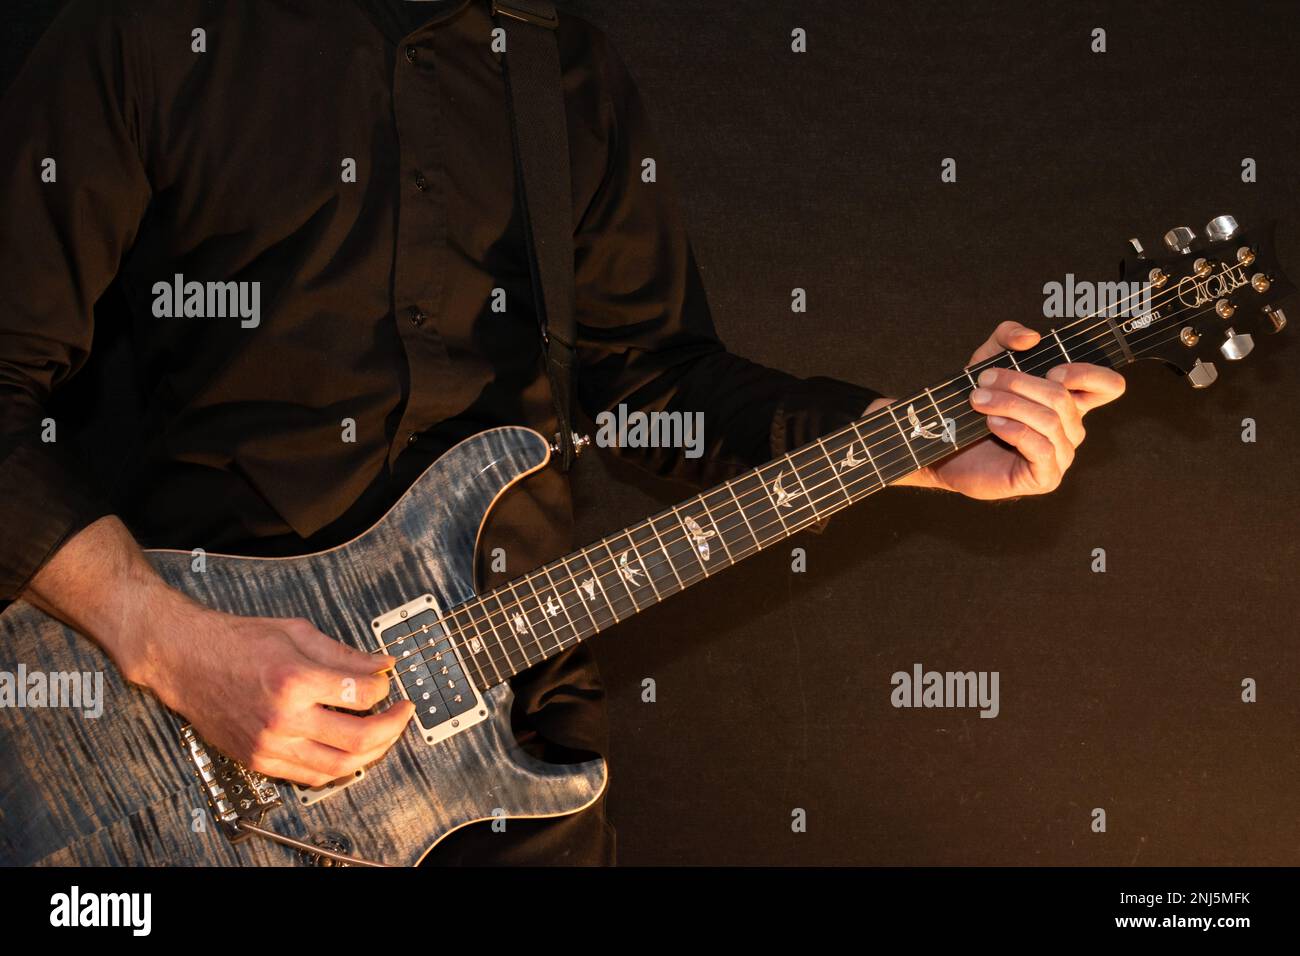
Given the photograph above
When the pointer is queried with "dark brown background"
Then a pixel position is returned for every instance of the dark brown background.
(1118, 690)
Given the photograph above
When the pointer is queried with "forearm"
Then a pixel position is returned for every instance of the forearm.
(257, 689)
(100, 584)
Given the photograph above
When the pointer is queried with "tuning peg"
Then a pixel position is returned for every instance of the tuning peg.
(1202, 374)
(1137, 248)
(1236, 347)
(1220, 228)
(1276, 318)
(1179, 239)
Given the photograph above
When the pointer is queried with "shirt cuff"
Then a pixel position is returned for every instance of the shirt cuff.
(814, 407)
(43, 503)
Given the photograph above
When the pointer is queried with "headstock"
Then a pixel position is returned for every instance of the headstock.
(1209, 295)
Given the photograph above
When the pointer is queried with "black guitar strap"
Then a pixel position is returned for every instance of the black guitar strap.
(541, 146)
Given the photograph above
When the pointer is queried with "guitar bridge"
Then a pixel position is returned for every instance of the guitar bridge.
(430, 671)
(235, 794)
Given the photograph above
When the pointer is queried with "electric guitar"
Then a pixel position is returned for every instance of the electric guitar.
(136, 785)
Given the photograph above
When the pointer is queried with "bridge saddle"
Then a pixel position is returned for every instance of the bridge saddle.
(234, 793)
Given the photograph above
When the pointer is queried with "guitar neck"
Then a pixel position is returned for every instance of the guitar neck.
(547, 611)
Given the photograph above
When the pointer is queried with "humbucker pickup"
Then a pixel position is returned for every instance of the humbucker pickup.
(429, 670)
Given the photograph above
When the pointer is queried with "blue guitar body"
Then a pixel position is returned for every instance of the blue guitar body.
(122, 788)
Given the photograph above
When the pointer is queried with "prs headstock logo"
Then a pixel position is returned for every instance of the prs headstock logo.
(1194, 291)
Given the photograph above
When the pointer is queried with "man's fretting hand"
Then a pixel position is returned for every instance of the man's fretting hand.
(257, 689)
(1040, 418)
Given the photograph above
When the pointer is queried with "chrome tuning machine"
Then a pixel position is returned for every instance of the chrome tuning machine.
(1180, 239)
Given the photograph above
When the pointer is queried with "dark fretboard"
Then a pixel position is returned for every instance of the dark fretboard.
(551, 609)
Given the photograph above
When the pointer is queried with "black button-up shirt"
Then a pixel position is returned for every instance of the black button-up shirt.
(359, 168)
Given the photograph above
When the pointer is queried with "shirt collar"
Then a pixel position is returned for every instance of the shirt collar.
(384, 15)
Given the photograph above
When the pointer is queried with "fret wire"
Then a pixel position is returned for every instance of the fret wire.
(543, 609)
(667, 556)
(676, 533)
(521, 612)
(556, 593)
(616, 577)
(488, 641)
(577, 589)
(487, 650)
(847, 465)
(943, 422)
(762, 496)
(462, 650)
(819, 479)
(651, 548)
(888, 445)
(1011, 355)
(717, 525)
(901, 431)
(618, 571)
(523, 606)
(690, 541)
(758, 490)
(799, 478)
(758, 545)
(767, 492)
(725, 515)
(1062, 347)
(867, 450)
(720, 528)
(596, 585)
(510, 629)
(478, 603)
(960, 399)
(834, 473)
(905, 464)
(691, 546)
(736, 523)
(645, 568)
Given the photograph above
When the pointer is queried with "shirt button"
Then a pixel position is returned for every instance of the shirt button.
(417, 317)
(411, 54)
(420, 182)
(411, 437)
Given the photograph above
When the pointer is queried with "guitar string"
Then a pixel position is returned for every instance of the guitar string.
(887, 419)
(669, 553)
(887, 422)
(670, 550)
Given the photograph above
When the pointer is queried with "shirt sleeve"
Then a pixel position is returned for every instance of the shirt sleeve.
(74, 189)
(645, 332)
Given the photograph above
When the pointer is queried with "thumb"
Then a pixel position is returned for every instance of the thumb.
(1010, 336)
